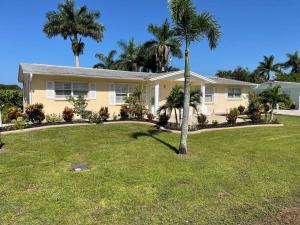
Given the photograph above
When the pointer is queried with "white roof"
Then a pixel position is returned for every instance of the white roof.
(42, 69)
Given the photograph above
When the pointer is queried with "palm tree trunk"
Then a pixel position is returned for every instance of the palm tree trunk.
(176, 118)
(186, 104)
(76, 60)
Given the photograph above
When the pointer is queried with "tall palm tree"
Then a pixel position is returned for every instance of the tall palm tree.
(266, 67)
(164, 46)
(106, 62)
(129, 58)
(74, 24)
(190, 26)
(293, 62)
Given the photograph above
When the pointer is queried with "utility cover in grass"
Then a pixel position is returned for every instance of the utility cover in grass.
(78, 167)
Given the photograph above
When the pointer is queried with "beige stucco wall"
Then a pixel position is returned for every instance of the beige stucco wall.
(38, 85)
(57, 105)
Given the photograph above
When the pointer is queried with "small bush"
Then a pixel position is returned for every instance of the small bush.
(241, 109)
(68, 114)
(79, 104)
(293, 106)
(86, 114)
(13, 113)
(163, 120)
(202, 120)
(35, 113)
(255, 108)
(95, 118)
(104, 114)
(124, 112)
(115, 117)
(215, 123)
(232, 116)
(19, 123)
(53, 118)
(150, 116)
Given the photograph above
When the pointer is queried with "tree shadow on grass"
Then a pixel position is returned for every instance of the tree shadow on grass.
(152, 133)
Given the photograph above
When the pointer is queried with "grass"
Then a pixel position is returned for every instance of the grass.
(136, 178)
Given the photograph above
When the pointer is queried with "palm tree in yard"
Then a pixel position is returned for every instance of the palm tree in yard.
(266, 67)
(74, 24)
(129, 58)
(164, 46)
(190, 26)
(293, 63)
(106, 62)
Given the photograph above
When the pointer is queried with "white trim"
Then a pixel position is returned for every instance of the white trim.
(182, 72)
(156, 97)
(30, 88)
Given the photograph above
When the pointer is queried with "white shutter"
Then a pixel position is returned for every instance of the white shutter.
(50, 93)
(92, 91)
(112, 94)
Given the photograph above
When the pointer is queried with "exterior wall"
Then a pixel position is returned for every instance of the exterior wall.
(222, 104)
(57, 105)
(38, 94)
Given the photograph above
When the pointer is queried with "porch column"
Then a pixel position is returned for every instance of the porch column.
(156, 97)
(203, 106)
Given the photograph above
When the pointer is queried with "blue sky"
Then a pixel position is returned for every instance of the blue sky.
(250, 29)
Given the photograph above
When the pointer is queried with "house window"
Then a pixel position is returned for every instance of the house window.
(80, 89)
(209, 95)
(67, 89)
(123, 91)
(63, 90)
(234, 93)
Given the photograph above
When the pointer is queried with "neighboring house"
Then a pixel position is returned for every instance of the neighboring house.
(290, 88)
(51, 85)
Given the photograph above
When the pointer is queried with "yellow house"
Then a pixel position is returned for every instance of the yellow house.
(51, 85)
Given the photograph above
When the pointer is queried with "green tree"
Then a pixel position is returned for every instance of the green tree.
(189, 26)
(270, 98)
(293, 62)
(74, 24)
(289, 77)
(164, 46)
(129, 58)
(106, 62)
(266, 67)
(79, 105)
(242, 74)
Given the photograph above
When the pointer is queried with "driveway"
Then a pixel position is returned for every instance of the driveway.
(288, 112)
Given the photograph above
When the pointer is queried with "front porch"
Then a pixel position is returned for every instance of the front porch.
(160, 88)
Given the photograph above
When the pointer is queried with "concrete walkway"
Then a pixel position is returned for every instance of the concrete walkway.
(288, 112)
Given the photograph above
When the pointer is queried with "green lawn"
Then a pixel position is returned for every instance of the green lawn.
(136, 178)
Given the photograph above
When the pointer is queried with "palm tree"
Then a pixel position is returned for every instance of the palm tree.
(73, 24)
(190, 26)
(271, 97)
(129, 58)
(106, 62)
(175, 101)
(164, 46)
(266, 67)
(293, 62)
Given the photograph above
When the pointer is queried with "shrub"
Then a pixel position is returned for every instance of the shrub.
(104, 114)
(95, 118)
(232, 116)
(79, 104)
(124, 112)
(202, 120)
(86, 114)
(255, 108)
(241, 108)
(135, 104)
(150, 116)
(215, 123)
(115, 117)
(293, 106)
(163, 119)
(10, 98)
(19, 123)
(68, 114)
(35, 113)
(13, 113)
(53, 118)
